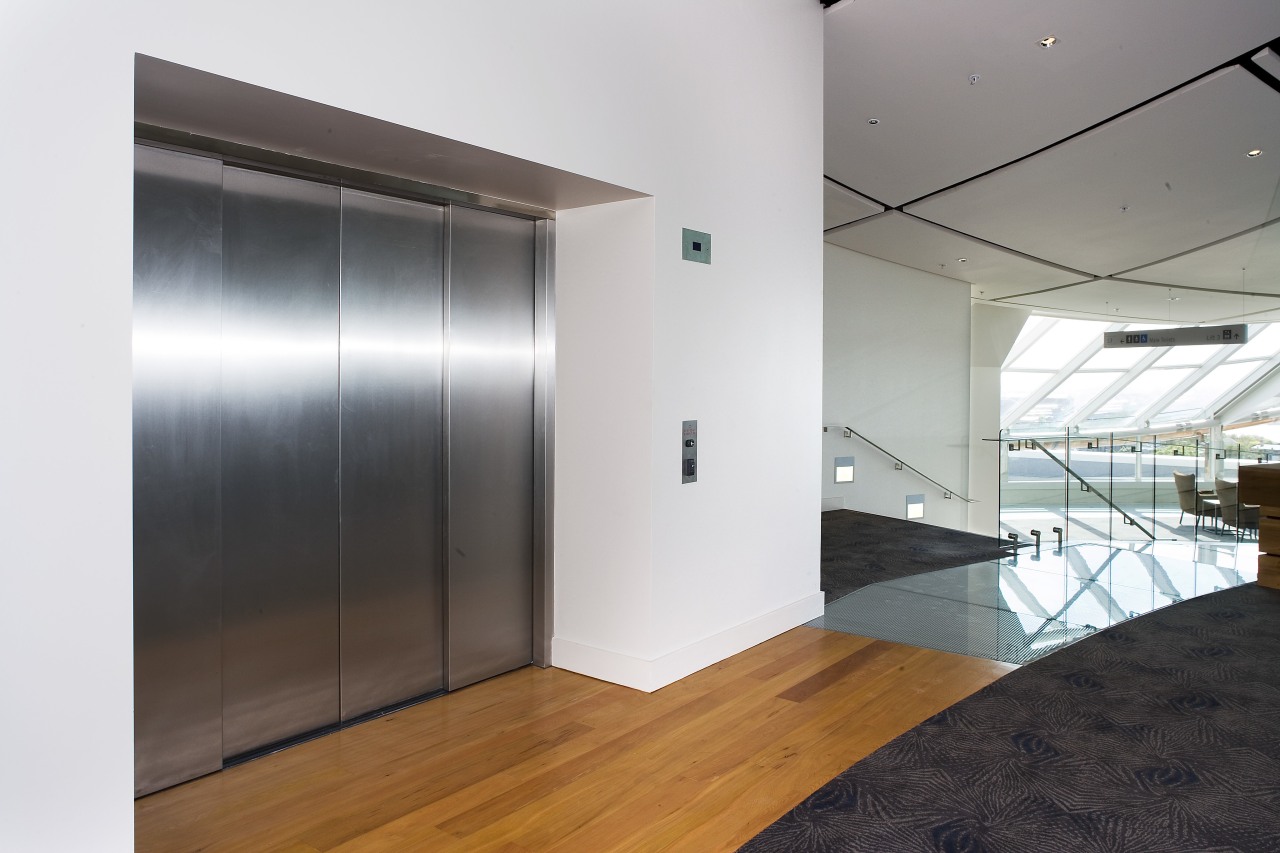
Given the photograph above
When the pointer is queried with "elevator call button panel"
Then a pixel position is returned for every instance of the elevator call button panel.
(689, 452)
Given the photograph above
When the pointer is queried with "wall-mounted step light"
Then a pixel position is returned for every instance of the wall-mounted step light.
(844, 469)
(915, 506)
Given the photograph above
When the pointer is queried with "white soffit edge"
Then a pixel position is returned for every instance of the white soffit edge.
(841, 206)
(1121, 300)
(186, 99)
(908, 64)
(910, 242)
(1163, 179)
(1268, 61)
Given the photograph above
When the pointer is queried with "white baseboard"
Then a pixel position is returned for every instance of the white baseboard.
(651, 674)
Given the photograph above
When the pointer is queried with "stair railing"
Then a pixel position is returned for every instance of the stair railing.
(1129, 519)
(902, 463)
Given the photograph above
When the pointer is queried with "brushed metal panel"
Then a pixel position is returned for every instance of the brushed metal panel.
(279, 458)
(490, 444)
(392, 471)
(544, 440)
(177, 283)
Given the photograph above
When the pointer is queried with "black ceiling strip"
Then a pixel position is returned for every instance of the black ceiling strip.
(843, 185)
(1076, 313)
(1046, 290)
(1217, 290)
(1001, 248)
(1209, 245)
(1240, 60)
(1257, 70)
(852, 222)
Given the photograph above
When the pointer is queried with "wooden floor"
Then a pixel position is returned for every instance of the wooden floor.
(546, 760)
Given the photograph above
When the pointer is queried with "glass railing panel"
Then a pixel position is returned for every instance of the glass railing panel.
(1033, 489)
(1167, 457)
(1090, 516)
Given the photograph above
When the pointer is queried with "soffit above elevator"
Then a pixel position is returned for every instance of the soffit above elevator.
(176, 97)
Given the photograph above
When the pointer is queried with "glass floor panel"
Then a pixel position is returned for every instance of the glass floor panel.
(1022, 607)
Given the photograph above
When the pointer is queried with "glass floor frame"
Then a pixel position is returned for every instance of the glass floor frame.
(1024, 606)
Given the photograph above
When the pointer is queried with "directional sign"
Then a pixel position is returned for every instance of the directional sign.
(1179, 337)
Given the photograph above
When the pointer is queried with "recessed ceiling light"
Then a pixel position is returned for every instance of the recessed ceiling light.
(963, 260)
(1048, 41)
(1257, 152)
(873, 121)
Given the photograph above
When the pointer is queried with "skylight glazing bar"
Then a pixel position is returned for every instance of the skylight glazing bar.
(1079, 416)
(1181, 388)
(1075, 363)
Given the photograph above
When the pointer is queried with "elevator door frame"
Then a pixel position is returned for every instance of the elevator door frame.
(543, 408)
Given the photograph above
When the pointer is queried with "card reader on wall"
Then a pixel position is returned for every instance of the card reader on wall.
(689, 452)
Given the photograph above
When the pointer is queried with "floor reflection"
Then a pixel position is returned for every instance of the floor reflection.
(1021, 608)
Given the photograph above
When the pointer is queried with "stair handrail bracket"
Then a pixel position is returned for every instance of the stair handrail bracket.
(947, 492)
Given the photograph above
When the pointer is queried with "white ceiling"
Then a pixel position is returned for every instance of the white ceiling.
(1117, 153)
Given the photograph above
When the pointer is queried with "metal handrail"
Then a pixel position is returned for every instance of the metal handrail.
(1065, 467)
(945, 491)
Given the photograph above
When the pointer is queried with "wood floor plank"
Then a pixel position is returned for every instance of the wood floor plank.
(846, 667)
(546, 760)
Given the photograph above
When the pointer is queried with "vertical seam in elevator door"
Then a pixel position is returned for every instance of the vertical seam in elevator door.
(446, 439)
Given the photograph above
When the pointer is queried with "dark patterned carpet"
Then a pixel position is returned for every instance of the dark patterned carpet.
(860, 549)
(1160, 734)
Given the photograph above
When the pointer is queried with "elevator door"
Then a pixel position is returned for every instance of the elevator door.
(392, 435)
(280, 599)
(490, 444)
(333, 431)
(177, 504)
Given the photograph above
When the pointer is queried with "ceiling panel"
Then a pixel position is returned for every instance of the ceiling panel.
(1120, 300)
(841, 206)
(905, 240)
(1269, 316)
(1248, 262)
(1156, 182)
(908, 64)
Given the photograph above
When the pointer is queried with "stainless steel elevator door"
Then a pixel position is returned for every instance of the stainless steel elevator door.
(490, 464)
(333, 456)
(392, 470)
(177, 287)
(279, 458)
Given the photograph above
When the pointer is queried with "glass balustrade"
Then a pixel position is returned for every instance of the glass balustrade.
(1114, 488)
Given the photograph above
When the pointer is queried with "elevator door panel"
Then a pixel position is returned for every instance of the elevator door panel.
(279, 458)
(177, 269)
(491, 360)
(392, 474)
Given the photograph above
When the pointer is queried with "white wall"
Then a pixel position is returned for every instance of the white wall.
(713, 108)
(896, 369)
(995, 330)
